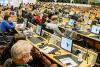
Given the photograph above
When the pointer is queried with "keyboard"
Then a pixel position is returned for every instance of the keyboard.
(85, 33)
(8, 38)
(75, 59)
(50, 45)
(36, 40)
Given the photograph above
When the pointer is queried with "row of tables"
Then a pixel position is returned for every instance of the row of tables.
(59, 52)
(95, 42)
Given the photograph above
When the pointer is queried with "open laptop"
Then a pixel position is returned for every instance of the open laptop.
(38, 31)
(66, 44)
(67, 59)
(96, 30)
(71, 22)
(21, 23)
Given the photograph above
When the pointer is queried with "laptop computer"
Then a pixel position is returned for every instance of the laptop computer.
(71, 22)
(95, 30)
(38, 30)
(67, 59)
(66, 44)
(36, 40)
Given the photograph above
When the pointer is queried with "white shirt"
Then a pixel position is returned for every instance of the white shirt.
(51, 26)
(54, 27)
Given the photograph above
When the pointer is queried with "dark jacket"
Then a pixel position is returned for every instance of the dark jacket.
(10, 63)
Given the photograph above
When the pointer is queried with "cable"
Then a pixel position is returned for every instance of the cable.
(87, 55)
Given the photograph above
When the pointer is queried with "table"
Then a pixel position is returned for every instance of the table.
(51, 56)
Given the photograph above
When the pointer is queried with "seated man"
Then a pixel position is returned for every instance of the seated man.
(21, 55)
(53, 26)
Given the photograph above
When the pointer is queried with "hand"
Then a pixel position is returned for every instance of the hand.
(10, 30)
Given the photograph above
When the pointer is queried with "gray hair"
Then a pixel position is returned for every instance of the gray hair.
(20, 48)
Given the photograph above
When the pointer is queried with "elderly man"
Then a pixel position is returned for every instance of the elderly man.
(21, 55)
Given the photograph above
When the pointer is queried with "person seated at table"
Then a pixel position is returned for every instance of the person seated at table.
(53, 25)
(37, 18)
(5, 25)
(21, 55)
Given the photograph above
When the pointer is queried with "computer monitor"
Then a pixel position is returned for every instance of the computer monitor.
(89, 22)
(95, 29)
(71, 22)
(66, 44)
(38, 29)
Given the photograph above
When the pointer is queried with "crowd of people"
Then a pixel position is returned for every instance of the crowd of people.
(49, 15)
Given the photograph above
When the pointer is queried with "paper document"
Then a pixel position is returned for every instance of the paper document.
(68, 62)
(47, 49)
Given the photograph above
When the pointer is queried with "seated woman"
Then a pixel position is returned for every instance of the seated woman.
(21, 55)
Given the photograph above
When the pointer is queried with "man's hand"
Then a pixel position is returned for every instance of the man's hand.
(10, 30)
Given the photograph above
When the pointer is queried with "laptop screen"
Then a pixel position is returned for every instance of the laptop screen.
(71, 22)
(38, 29)
(66, 44)
(89, 22)
(95, 29)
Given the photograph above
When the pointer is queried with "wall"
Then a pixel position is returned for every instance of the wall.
(89, 1)
(16, 3)
(29, 1)
(34, 1)
(97, 1)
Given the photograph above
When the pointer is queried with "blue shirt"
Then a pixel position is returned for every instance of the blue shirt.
(5, 26)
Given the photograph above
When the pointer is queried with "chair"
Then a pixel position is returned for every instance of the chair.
(1, 66)
(49, 30)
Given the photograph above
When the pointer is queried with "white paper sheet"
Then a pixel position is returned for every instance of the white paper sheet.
(47, 49)
(68, 60)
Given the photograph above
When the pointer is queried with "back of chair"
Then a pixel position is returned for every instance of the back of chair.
(49, 30)
(70, 34)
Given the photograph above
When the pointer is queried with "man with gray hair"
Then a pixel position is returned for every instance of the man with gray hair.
(21, 55)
